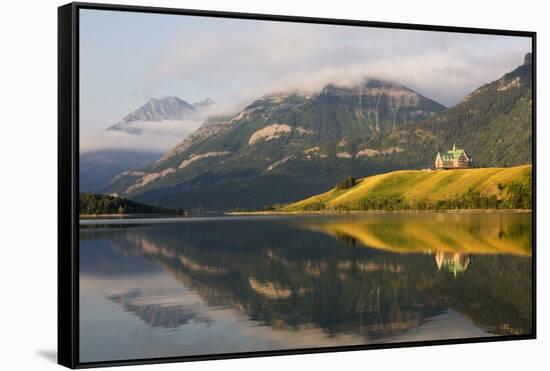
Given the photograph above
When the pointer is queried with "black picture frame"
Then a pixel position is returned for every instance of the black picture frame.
(68, 180)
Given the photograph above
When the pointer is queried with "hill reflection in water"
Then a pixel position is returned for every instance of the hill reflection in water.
(309, 281)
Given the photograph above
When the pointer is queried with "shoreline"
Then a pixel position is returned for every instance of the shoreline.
(367, 212)
(295, 213)
(103, 216)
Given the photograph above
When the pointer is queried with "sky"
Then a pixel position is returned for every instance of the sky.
(127, 58)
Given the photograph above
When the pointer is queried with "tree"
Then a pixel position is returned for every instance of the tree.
(346, 183)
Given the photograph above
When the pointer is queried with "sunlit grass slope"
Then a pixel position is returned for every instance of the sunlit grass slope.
(414, 187)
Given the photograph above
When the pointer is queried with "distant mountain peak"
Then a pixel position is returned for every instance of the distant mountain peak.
(170, 108)
(204, 103)
(167, 100)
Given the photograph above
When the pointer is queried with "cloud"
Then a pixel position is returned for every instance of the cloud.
(152, 136)
(441, 76)
(242, 65)
(155, 136)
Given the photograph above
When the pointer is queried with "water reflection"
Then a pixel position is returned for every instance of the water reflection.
(158, 314)
(243, 285)
(453, 262)
(480, 233)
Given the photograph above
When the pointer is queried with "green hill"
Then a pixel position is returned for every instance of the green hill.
(483, 188)
(94, 204)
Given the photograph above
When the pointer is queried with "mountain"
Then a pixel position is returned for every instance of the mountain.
(285, 147)
(428, 189)
(160, 109)
(278, 131)
(203, 103)
(493, 123)
(97, 168)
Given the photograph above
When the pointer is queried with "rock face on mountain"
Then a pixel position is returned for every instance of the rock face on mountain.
(97, 168)
(284, 147)
(159, 109)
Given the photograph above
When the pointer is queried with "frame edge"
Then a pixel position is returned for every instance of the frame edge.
(67, 346)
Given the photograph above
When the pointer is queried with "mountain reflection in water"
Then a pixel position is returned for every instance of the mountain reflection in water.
(247, 284)
(157, 314)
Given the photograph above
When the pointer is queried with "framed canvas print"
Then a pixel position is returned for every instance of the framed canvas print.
(237, 185)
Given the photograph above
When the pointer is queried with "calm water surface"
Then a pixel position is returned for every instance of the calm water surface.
(162, 288)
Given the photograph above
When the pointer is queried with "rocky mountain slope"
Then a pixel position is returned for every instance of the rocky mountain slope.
(493, 123)
(97, 168)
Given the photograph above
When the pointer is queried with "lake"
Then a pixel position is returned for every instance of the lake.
(191, 286)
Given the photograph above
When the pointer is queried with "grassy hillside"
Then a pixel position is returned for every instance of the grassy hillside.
(94, 204)
(429, 189)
